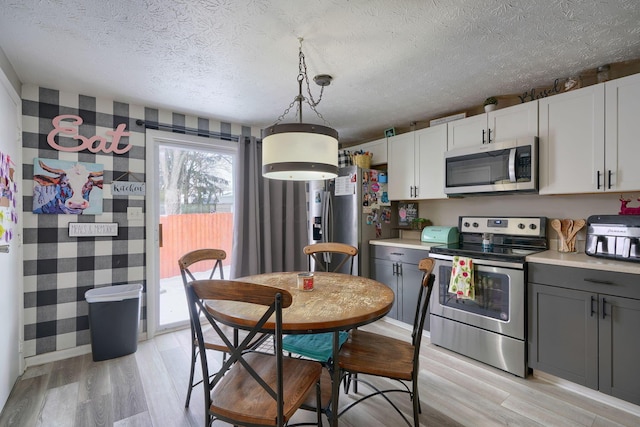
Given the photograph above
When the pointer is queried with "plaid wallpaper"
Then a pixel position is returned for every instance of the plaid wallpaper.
(59, 269)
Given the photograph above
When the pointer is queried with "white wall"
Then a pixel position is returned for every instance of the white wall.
(9, 72)
(446, 212)
(11, 263)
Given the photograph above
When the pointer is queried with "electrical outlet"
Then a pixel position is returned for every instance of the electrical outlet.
(134, 214)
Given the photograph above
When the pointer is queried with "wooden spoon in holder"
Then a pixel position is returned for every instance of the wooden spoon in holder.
(578, 224)
(557, 226)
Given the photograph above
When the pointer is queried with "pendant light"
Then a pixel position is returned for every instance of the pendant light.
(301, 151)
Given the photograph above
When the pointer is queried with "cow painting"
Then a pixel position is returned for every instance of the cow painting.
(66, 189)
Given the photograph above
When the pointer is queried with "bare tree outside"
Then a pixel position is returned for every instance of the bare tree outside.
(195, 189)
(194, 181)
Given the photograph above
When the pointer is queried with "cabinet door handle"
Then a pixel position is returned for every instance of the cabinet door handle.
(609, 178)
(483, 132)
(600, 282)
(604, 303)
(489, 136)
(395, 269)
(415, 191)
(598, 180)
(593, 299)
(399, 269)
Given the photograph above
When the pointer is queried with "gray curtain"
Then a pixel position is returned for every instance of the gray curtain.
(270, 219)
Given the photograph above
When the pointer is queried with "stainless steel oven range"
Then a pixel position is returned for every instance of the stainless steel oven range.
(490, 324)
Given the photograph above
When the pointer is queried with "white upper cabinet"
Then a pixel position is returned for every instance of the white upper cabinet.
(622, 134)
(589, 139)
(499, 125)
(514, 122)
(401, 166)
(378, 148)
(431, 144)
(467, 132)
(571, 144)
(416, 164)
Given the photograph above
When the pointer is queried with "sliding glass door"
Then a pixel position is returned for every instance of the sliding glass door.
(192, 206)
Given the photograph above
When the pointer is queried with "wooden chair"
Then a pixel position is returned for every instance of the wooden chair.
(373, 354)
(324, 253)
(320, 346)
(252, 388)
(206, 260)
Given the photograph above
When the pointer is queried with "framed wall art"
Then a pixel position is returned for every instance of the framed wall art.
(62, 187)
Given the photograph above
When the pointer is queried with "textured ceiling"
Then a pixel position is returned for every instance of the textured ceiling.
(393, 62)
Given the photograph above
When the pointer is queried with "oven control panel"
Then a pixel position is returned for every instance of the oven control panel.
(515, 226)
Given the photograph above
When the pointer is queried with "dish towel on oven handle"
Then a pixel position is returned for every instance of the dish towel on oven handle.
(461, 282)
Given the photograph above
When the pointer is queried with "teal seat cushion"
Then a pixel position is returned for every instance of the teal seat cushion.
(314, 346)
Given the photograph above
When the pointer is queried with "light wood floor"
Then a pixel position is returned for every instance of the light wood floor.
(148, 389)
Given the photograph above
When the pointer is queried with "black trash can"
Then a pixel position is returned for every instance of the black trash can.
(114, 313)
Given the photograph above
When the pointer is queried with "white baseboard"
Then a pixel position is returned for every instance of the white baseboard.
(586, 391)
(67, 353)
(54, 356)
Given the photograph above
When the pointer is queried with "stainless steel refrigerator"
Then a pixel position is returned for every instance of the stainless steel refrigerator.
(353, 209)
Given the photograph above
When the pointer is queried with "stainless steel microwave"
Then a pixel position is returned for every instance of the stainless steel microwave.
(498, 167)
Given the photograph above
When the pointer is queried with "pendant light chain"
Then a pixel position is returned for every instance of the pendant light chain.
(302, 66)
(302, 76)
(301, 151)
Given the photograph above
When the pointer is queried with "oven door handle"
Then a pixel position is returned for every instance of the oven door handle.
(441, 256)
(512, 165)
(482, 262)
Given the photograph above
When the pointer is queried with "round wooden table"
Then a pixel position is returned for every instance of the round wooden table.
(337, 302)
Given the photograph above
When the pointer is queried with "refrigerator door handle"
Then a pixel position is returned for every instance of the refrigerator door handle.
(330, 217)
(327, 234)
(323, 217)
(323, 221)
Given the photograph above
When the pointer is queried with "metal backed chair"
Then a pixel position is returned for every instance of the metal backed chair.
(203, 261)
(252, 388)
(324, 255)
(373, 354)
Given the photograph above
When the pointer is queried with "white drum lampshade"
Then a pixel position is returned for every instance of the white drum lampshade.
(300, 152)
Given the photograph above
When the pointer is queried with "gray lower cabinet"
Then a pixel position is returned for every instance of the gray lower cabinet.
(563, 340)
(583, 327)
(397, 268)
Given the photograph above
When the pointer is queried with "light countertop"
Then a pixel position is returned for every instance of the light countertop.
(404, 243)
(582, 260)
(552, 257)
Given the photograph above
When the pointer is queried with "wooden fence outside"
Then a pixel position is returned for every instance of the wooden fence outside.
(187, 232)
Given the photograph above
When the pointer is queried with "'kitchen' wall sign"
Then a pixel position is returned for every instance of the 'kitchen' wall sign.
(128, 188)
(67, 125)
